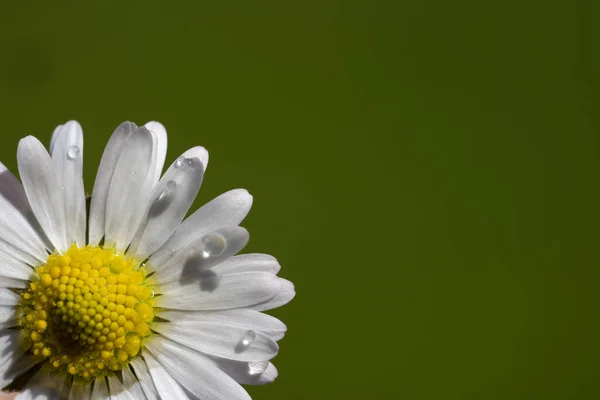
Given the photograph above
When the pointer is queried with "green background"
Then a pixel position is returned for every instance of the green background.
(425, 171)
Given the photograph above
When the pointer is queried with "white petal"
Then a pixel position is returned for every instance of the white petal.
(55, 134)
(80, 390)
(15, 367)
(18, 236)
(119, 392)
(141, 371)
(197, 374)
(160, 134)
(248, 373)
(100, 390)
(242, 318)
(12, 190)
(43, 386)
(169, 203)
(13, 283)
(248, 263)
(229, 209)
(18, 254)
(112, 153)
(132, 384)
(44, 191)
(18, 225)
(10, 267)
(12, 349)
(14, 240)
(38, 393)
(8, 298)
(130, 189)
(166, 386)
(8, 317)
(195, 260)
(225, 341)
(285, 295)
(67, 154)
(219, 292)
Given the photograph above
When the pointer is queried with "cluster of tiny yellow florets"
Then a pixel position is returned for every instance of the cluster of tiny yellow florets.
(89, 311)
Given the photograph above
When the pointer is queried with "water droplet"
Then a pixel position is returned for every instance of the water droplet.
(213, 245)
(162, 202)
(257, 368)
(247, 340)
(172, 185)
(162, 196)
(73, 152)
(179, 162)
(186, 162)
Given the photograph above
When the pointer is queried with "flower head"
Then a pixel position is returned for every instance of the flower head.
(128, 299)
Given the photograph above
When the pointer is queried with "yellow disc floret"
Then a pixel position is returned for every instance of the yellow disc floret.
(88, 312)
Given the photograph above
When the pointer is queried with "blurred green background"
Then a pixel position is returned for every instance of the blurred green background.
(425, 171)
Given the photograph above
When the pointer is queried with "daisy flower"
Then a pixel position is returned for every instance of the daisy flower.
(127, 300)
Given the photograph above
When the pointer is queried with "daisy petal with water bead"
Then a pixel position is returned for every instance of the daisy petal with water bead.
(139, 302)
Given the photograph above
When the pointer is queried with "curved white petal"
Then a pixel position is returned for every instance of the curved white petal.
(112, 153)
(197, 374)
(248, 263)
(132, 384)
(44, 386)
(160, 134)
(67, 154)
(18, 237)
(245, 373)
(44, 190)
(119, 392)
(229, 209)
(225, 341)
(194, 260)
(219, 292)
(130, 189)
(12, 349)
(18, 225)
(284, 296)
(242, 318)
(100, 390)
(55, 134)
(143, 375)
(15, 367)
(166, 385)
(37, 393)
(8, 317)
(13, 283)
(12, 190)
(14, 235)
(8, 298)
(80, 390)
(21, 255)
(10, 267)
(169, 203)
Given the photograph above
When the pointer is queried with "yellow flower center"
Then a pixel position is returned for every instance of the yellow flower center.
(88, 312)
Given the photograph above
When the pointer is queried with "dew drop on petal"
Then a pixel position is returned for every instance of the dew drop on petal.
(247, 340)
(162, 196)
(73, 152)
(257, 368)
(172, 185)
(179, 162)
(213, 245)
